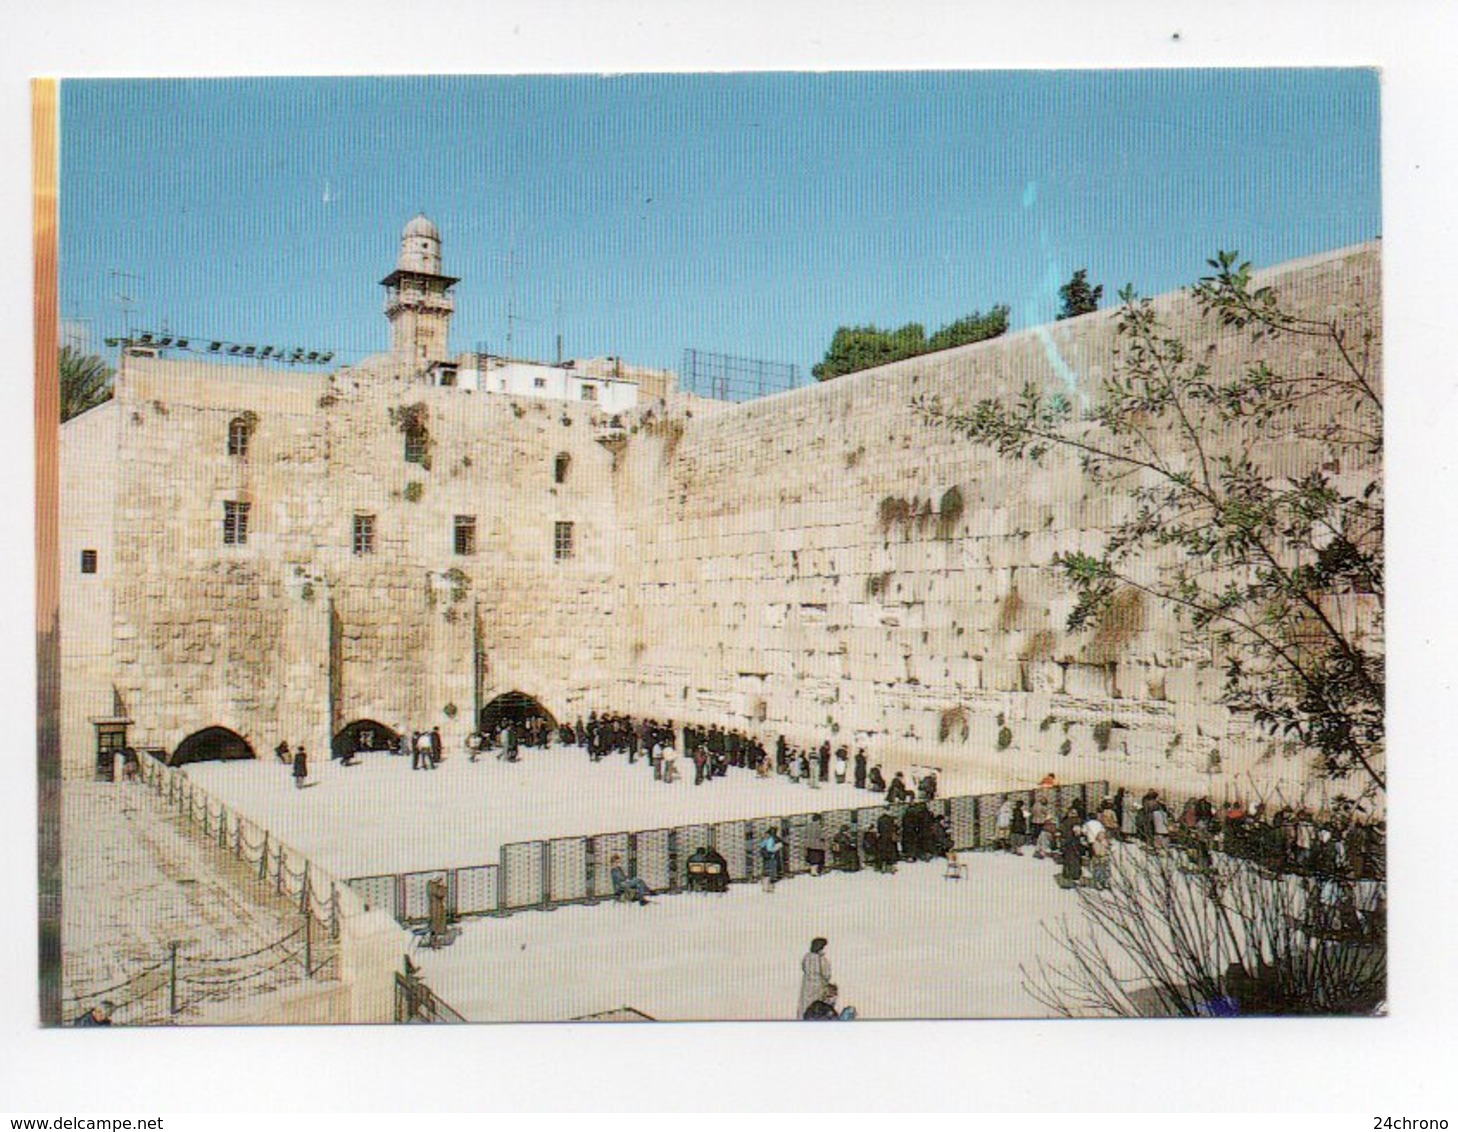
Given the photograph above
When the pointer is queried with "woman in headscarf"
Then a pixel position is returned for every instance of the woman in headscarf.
(814, 975)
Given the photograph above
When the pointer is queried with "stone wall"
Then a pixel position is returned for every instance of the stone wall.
(801, 564)
(293, 635)
(88, 461)
(819, 563)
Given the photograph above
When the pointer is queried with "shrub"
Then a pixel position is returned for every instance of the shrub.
(1101, 733)
(414, 491)
(1004, 738)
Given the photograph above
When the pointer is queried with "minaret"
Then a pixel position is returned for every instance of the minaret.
(417, 296)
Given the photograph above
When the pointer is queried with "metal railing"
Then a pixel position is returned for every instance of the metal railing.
(288, 872)
(577, 870)
(416, 1002)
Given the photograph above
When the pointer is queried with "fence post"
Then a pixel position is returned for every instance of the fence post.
(546, 874)
(263, 860)
(673, 885)
(280, 887)
(238, 839)
(304, 892)
(172, 978)
(308, 945)
(333, 910)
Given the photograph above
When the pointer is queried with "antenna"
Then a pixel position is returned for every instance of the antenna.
(122, 297)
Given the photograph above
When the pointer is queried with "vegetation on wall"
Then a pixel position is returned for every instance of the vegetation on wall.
(85, 382)
(1279, 564)
(856, 348)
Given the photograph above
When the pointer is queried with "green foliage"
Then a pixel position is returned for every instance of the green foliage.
(414, 491)
(85, 382)
(1004, 738)
(449, 711)
(1077, 297)
(1101, 732)
(854, 348)
(1065, 748)
(976, 327)
(1279, 565)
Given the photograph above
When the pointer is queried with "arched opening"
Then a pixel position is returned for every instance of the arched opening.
(561, 467)
(211, 743)
(362, 736)
(518, 709)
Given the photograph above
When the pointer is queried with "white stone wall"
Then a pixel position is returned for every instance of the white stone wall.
(731, 564)
(88, 451)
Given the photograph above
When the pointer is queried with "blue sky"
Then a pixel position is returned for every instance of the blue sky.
(639, 215)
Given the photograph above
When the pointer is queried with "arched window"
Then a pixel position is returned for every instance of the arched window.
(240, 429)
(564, 462)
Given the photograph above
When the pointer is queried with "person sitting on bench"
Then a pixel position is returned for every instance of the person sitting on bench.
(632, 888)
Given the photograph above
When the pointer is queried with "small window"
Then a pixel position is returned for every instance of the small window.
(239, 431)
(88, 562)
(559, 471)
(465, 534)
(235, 523)
(589, 392)
(448, 376)
(417, 440)
(364, 534)
(562, 541)
(539, 383)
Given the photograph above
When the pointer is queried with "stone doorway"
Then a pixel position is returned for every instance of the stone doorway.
(516, 708)
(364, 735)
(211, 743)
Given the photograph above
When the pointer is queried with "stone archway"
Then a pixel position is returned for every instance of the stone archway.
(364, 735)
(211, 743)
(516, 708)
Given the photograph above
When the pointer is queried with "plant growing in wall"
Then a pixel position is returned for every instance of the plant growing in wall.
(1101, 732)
(954, 721)
(413, 423)
(1261, 477)
(414, 491)
(949, 511)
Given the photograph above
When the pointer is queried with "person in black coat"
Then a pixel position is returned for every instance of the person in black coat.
(877, 781)
(897, 791)
(869, 847)
(843, 853)
(860, 778)
(887, 843)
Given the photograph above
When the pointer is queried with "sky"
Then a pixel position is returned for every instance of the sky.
(642, 215)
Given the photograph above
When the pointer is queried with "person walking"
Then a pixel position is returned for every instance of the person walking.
(301, 767)
(437, 751)
(841, 761)
(770, 847)
(815, 847)
(860, 772)
(814, 975)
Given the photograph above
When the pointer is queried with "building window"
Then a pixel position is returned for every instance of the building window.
(589, 392)
(239, 431)
(417, 443)
(562, 541)
(235, 523)
(364, 534)
(88, 562)
(559, 471)
(465, 534)
(539, 383)
(448, 376)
